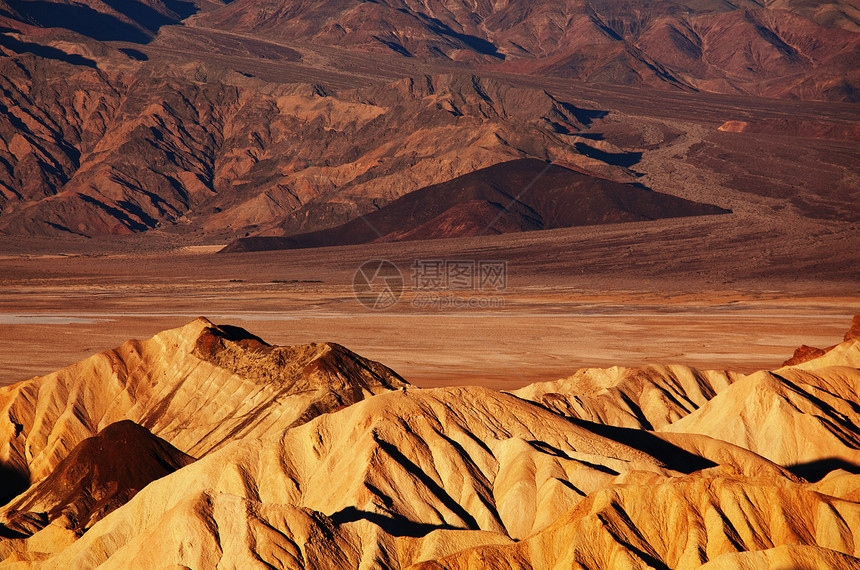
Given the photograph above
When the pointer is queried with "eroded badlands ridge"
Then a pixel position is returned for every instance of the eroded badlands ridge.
(198, 387)
(312, 457)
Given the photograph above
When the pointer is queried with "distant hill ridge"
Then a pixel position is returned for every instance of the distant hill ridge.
(516, 196)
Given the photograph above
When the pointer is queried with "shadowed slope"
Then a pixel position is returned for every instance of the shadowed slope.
(516, 196)
(100, 474)
(128, 20)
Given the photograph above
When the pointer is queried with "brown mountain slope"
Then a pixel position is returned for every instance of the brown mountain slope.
(97, 143)
(197, 387)
(782, 49)
(94, 153)
(213, 134)
(98, 476)
(133, 21)
(768, 52)
(516, 196)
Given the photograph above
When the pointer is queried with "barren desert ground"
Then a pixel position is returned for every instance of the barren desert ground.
(597, 303)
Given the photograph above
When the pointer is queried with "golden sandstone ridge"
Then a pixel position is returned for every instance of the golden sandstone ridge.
(198, 387)
(205, 447)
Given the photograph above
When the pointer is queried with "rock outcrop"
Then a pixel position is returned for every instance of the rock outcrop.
(101, 474)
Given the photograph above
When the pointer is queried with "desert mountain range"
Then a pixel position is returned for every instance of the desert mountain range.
(714, 45)
(205, 447)
(206, 122)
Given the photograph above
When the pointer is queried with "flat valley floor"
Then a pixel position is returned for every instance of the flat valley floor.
(601, 303)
